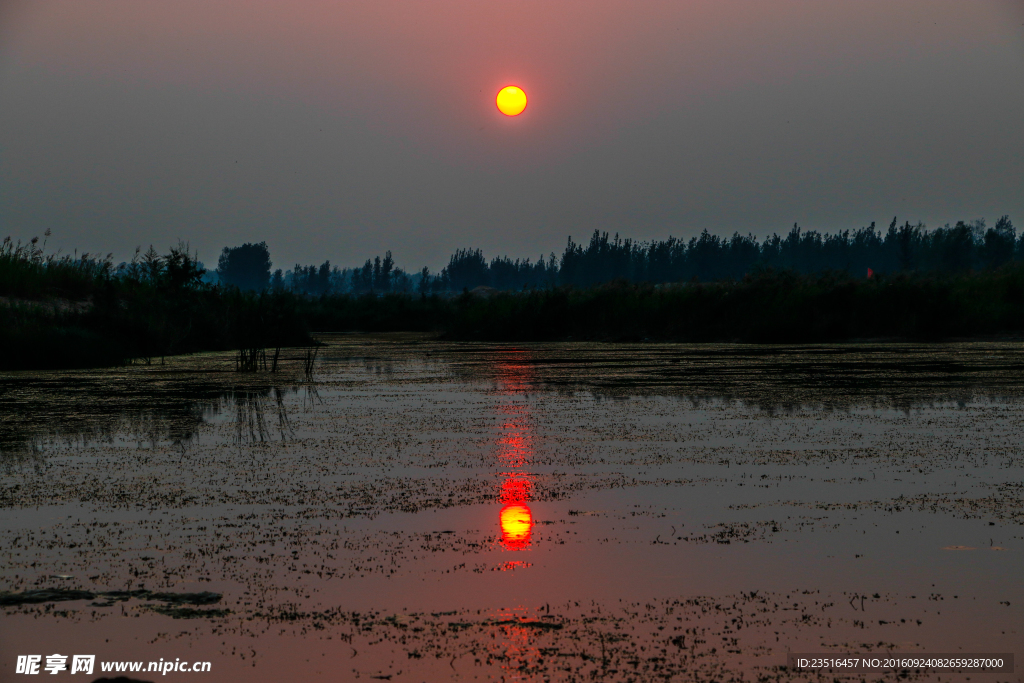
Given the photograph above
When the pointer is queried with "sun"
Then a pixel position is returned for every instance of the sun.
(511, 100)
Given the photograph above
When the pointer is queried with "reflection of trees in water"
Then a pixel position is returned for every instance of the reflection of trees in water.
(40, 413)
(379, 366)
(26, 455)
(774, 378)
(48, 411)
(251, 408)
(310, 396)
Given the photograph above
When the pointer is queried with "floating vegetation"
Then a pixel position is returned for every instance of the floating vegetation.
(44, 595)
(189, 612)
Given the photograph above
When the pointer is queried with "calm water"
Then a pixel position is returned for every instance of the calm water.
(421, 511)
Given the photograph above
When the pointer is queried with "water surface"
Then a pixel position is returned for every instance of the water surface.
(431, 511)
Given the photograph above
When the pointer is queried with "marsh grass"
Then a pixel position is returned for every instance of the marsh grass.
(27, 272)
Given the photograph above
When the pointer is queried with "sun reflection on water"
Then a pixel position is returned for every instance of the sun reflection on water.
(515, 452)
(516, 526)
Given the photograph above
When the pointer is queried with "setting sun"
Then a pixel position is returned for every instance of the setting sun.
(511, 100)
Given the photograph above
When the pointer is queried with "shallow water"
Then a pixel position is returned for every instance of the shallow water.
(432, 511)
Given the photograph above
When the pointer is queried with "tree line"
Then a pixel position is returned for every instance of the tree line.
(82, 310)
(971, 245)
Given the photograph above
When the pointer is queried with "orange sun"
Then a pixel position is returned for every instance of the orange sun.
(511, 100)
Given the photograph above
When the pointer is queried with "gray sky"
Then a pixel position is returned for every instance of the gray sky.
(339, 129)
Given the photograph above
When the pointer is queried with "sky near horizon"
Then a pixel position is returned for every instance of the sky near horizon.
(339, 129)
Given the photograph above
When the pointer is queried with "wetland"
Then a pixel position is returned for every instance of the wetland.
(423, 510)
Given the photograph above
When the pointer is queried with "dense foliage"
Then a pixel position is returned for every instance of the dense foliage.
(82, 311)
(769, 307)
(705, 258)
(961, 281)
(246, 267)
(708, 257)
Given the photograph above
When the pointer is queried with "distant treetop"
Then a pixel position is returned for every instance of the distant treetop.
(246, 267)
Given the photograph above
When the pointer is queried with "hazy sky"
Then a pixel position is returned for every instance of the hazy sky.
(340, 128)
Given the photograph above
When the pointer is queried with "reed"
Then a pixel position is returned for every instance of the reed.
(309, 361)
(251, 360)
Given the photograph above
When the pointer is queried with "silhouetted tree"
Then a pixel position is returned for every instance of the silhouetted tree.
(423, 287)
(904, 244)
(362, 280)
(998, 244)
(709, 257)
(954, 247)
(312, 280)
(181, 270)
(400, 281)
(382, 275)
(246, 267)
(466, 269)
